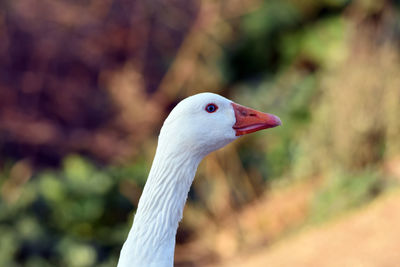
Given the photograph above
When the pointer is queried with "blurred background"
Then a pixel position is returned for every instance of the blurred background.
(85, 86)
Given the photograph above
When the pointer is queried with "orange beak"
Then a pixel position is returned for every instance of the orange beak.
(249, 120)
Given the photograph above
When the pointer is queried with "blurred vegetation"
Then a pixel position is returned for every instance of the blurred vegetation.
(345, 191)
(73, 216)
(85, 86)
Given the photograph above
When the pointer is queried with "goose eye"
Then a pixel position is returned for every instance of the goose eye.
(210, 108)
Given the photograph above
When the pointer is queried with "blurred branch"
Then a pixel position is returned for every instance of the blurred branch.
(210, 27)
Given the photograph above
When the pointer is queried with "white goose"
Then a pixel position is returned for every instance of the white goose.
(197, 126)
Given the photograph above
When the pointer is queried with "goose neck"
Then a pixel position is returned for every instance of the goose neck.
(152, 236)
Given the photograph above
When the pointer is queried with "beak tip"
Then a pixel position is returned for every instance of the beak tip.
(277, 121)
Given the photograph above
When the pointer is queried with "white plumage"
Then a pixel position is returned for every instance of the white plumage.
(197, 126)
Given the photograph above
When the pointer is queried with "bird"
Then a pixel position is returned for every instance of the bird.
(197, 126)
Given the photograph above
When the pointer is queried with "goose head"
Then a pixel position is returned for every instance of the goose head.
(206, 122)
(197, 126)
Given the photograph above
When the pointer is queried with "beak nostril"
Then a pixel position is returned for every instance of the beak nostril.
(253, 115)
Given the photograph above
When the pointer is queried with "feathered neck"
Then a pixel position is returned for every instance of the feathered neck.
(151, 240)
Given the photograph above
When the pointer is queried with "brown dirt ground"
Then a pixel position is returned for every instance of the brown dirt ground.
(368, 237)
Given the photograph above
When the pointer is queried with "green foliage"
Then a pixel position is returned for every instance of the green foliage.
(281, 31)
(273, 15)
(72, 217)
(322, 42)
(345, 191)
(256, 53)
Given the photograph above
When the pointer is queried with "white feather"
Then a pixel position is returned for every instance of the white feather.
(188, 134)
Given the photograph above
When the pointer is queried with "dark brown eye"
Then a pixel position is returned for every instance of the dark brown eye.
(210, 108)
